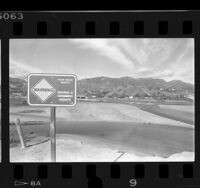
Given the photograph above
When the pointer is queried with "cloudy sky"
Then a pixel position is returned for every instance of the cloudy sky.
(169, 59)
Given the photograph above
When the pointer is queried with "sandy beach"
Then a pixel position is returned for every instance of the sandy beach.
(113, 129)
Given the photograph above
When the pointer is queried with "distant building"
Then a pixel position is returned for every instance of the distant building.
(81, 97)
(92, 95)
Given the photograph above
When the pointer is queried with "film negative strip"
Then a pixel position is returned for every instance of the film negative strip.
(100, 99)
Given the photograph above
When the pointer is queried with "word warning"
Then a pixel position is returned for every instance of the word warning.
(51, 90)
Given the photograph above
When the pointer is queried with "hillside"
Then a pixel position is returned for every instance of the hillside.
(131, 87)
(18, 91)
(124, 87)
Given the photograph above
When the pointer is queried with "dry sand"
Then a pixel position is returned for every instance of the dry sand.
(94, 112)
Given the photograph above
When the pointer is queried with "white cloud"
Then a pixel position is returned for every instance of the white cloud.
(19, 69)
(135, 52)
(106, 48)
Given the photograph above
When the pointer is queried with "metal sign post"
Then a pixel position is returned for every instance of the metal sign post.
(53, 133)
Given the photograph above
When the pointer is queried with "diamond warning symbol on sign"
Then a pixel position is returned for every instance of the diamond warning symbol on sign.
(43, 90)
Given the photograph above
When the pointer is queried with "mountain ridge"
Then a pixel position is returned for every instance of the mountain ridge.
(123, 87)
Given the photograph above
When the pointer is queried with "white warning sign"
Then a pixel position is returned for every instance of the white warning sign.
(51, 89)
